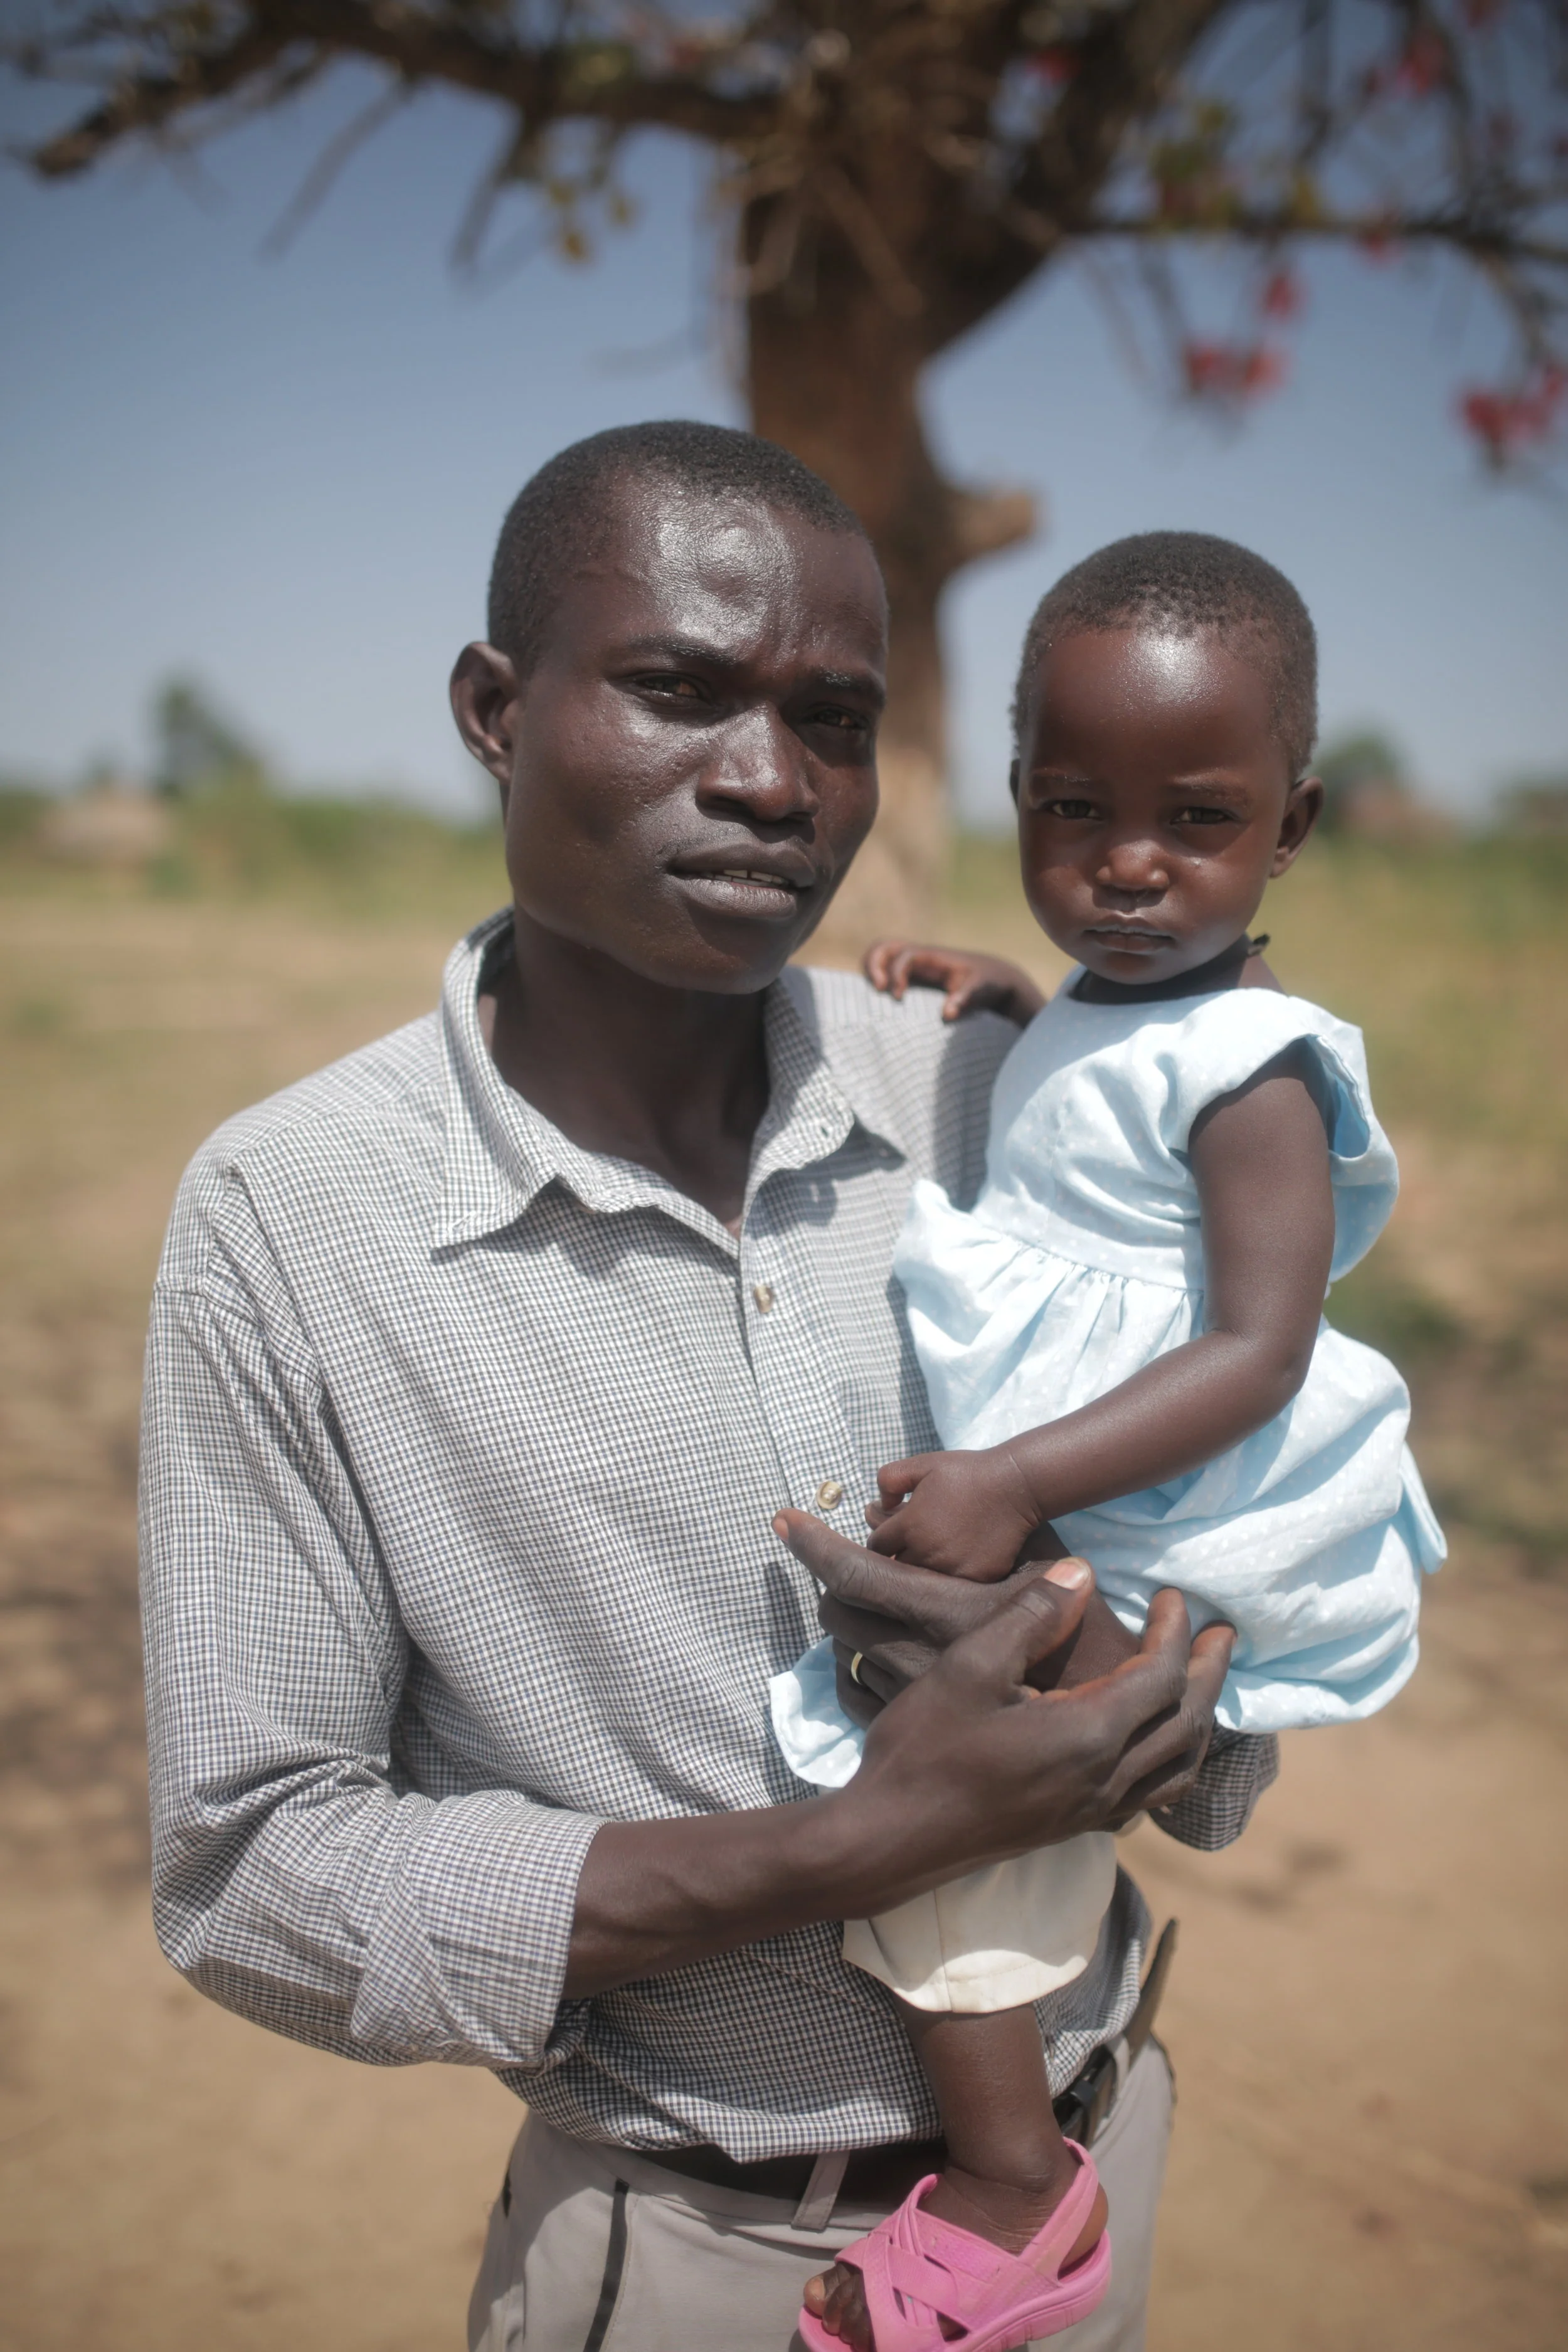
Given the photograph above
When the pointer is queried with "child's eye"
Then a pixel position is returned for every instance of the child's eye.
(1068, 807)
(1198, 815)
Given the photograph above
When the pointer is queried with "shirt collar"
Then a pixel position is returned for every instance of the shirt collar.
(500, 1152)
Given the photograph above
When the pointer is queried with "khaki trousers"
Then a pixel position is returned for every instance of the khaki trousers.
(602, 2252)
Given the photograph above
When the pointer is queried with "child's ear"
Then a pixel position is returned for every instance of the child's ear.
(1303, 807)
(1013, 782)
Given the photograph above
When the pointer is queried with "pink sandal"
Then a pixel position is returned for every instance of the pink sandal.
(918, 2271)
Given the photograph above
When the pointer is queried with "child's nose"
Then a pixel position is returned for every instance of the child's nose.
(1133, 866)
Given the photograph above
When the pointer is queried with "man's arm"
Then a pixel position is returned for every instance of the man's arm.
(970, 1765)
(292, 1880)
(896, 1621)
(296, 1883)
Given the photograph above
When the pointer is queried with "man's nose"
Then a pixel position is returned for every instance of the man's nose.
(760, 764)
(1133, 866)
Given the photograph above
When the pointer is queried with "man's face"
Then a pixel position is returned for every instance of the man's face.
(689, 770)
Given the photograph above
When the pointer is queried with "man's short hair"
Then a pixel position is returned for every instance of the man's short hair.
(564, 513)
(1189, 583)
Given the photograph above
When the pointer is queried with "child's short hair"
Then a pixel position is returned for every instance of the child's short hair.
(561, 514)
(1189, 581)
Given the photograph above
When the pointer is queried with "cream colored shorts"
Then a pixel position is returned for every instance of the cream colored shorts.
(997, 1939)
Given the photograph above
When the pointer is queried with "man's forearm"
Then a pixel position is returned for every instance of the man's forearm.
(656, 1895)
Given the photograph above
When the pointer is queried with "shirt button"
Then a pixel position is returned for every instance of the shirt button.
(763, 1293)
(829, 1494)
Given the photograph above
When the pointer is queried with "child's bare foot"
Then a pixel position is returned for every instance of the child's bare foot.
(1004, 2214)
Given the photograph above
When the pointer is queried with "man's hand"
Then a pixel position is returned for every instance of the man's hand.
(896, 1648)
(969, 1765)
(971, 983)
(965, 1514)
(903, 1620)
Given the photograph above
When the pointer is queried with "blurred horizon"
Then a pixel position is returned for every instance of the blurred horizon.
(279, 477)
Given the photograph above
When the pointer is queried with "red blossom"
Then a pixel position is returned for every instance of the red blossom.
(1230, 373)
(1423, 66)
(1510, 420)
(1055, 66)
(1281, 297)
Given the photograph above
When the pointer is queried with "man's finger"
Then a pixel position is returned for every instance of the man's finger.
(1206, 1669)
(860, 1701)
(1209, 1663)
(900, 1649)
(1140, 1702)
(911, 1596)
(1164, 1754)
(1037, 1616)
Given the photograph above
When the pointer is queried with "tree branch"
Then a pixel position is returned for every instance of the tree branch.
(593, 80)
(1121, 71)
(1479, 240)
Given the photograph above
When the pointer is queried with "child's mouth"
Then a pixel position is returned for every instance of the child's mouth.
(1130, 938)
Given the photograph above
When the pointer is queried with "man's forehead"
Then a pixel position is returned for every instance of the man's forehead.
(726, 570)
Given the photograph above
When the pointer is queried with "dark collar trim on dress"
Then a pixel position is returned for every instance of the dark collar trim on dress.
(1203, 980)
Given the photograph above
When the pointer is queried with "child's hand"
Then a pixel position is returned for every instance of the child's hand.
(973, 983)
(965, 1514)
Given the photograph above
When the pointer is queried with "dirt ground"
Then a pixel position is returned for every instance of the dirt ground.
(1368, 2018)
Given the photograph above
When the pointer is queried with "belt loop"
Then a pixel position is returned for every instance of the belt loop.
(820, 2194)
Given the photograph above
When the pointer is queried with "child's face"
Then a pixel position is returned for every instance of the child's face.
(1154, 800)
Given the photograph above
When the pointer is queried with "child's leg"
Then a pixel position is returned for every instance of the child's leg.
(1008, 2166)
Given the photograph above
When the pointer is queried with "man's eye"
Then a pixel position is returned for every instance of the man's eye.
(670, 682)
(850, 722)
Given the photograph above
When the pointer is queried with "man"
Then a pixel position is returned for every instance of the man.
(480, 1368)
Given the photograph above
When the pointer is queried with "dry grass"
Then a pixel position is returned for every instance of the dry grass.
(1366, 2160)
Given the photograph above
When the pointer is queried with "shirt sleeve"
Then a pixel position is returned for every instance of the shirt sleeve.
(1237, 1769)
(295, 1879)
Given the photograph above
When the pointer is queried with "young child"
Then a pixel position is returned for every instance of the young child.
(1124, 1338)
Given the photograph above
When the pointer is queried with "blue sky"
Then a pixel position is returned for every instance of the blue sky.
(283, 476)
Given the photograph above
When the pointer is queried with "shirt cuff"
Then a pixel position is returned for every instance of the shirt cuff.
(1237, 1769)
(467, 1956)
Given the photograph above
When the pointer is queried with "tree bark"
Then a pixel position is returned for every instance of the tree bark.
(834, 369)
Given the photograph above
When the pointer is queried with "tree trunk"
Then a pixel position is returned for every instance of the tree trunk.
(833, 374)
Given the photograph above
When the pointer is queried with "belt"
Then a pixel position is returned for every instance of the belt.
(885, 2175)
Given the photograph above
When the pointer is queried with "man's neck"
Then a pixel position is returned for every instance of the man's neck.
(674, 1079)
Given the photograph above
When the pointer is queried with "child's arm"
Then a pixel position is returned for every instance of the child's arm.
(973, 982)
(1261, 1162)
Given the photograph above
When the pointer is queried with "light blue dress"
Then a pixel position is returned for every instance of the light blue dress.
(1082, 1262)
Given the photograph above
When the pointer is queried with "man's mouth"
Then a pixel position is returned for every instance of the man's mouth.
(765, 893)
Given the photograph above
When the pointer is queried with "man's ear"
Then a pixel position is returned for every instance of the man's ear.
(1013, 782)
(485, 696)
(1303, 807)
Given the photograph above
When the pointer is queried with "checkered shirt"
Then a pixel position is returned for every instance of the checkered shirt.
(460, 1448)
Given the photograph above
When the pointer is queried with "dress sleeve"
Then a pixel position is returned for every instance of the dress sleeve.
(1227, 1039)
(1215, 1810)
(295, 1880)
